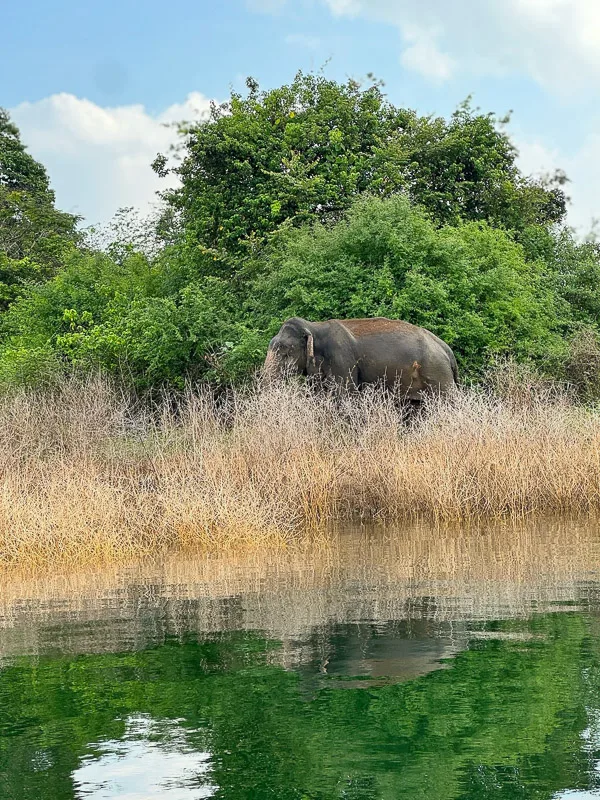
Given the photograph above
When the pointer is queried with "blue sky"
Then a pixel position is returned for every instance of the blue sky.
(91, 84)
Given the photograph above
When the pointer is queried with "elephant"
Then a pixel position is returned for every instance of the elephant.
(403, 357)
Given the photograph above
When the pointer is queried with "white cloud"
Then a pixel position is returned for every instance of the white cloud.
(349, 8)
(424, 56)
(556, 42)
(99, 158)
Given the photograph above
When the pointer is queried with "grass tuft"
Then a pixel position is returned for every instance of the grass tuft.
(89, 476)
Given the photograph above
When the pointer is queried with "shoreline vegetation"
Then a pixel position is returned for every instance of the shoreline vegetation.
(314, 199)
(90, 475)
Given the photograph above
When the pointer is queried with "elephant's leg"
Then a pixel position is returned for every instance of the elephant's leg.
(410, 411)
(342, 377)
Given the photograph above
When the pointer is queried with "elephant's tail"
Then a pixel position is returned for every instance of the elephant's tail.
(454, 369)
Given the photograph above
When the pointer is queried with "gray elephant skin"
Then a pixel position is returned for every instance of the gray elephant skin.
(353, 352)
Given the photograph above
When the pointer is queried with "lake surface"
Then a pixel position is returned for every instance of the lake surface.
(384, 664)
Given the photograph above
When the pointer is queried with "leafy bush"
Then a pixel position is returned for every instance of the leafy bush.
(316, 199)
(130, 318)
(161, 321)
(470, 284)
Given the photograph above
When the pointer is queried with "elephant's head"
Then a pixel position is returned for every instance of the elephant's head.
(292, 350)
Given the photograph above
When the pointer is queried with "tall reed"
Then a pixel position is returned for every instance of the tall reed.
(89, 475)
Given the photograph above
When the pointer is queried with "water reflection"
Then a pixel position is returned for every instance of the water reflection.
(374, 574)
(424, 664)
(151, 761)
(591, 744)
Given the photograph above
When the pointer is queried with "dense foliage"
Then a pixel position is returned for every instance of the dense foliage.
(34, 236)
(304, 152)
(315, 199)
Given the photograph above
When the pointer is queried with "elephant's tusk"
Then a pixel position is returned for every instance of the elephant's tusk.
(270, 361)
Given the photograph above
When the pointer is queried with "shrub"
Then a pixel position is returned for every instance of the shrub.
(471, 285)
(162, 321)
(582, 365)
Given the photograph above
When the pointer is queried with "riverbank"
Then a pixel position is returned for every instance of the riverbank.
(89, 476)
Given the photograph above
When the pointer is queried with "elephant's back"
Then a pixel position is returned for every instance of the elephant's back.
(390, 346)
(376, 332)
(374, 326)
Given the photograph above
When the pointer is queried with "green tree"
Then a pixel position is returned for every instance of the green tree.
(34, 235)
(464, 169)
(19, 171)
(305, 151)
(299, 152)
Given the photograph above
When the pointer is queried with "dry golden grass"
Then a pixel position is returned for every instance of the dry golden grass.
(88, 476)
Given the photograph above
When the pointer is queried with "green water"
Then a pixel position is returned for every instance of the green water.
(140, 701)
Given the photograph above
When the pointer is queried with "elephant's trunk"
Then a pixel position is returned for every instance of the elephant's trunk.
(270, 367)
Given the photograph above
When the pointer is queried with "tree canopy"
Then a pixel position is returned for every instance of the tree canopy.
(34, 235)
(305, 151)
